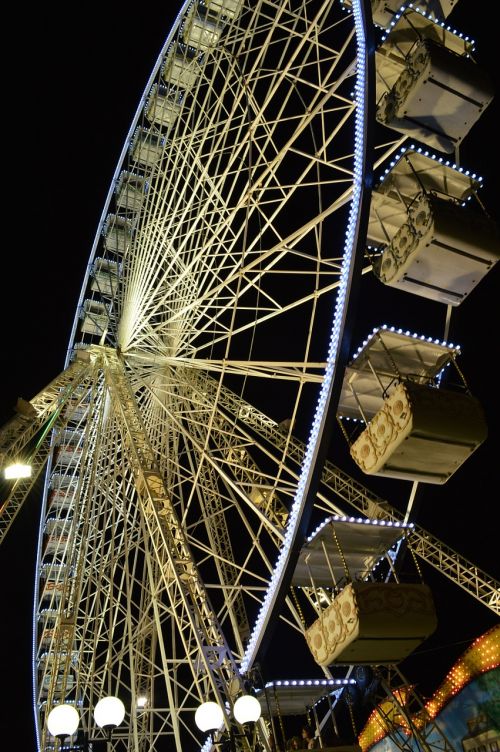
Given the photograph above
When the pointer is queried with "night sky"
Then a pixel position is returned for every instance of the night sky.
(72, 85)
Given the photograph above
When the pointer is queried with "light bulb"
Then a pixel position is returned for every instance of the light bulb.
(247, 709)
(16, 471)
(209, 716)
(110, 711)
(63, 720)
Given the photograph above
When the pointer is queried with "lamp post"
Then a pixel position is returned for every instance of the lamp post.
(63, 720)
(209, 716)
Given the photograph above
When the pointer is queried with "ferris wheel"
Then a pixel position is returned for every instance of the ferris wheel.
(185, 441)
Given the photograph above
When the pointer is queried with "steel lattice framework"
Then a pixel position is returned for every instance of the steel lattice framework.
(202, 349)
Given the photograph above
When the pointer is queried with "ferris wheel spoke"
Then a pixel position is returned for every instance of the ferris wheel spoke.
(272, 257)
(144, 293)
(211, 264)
(210, 423)
(240, 580)
(230, 452)
(215, 502)
(301, 371)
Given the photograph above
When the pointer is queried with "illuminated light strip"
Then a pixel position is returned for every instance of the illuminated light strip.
(310, 683)
(333, 687)
(422, 337)
(335, 337)
(435, 157)
(359, 521)
(410, 6)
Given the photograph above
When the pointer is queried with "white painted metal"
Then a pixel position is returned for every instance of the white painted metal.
(188, 401)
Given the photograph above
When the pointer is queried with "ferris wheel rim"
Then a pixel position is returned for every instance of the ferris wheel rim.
(104, 213)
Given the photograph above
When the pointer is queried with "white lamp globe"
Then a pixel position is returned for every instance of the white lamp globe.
(209, 716)
(63, 720)
(247, 709)
(110, 711)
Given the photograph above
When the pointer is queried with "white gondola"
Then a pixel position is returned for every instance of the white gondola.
(94, 317)
(441, 252)
(180, 71)
(162, 108)
(359, 620)
(46, 659)
(146, 147)
(55, 543)
(56, 679)
(384, 11)
(59, 501)
(130, 192)
(68, 456)
(57, 526)
(76, 411)
(420, 433)
(414, 430)
(53, 630)
(53, 590)
(436, 241)
(428, 85)
(199, 31)
(117, 232)
(62, 494)
(224, 8)
(54, 571)
(104, 277)
(373, 623)
(70, 436)
(47, 637)
(62, 688)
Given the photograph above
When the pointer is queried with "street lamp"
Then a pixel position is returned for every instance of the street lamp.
(63, 720)
(210, 716)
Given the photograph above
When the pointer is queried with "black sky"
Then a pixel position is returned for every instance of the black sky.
(71, 86)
